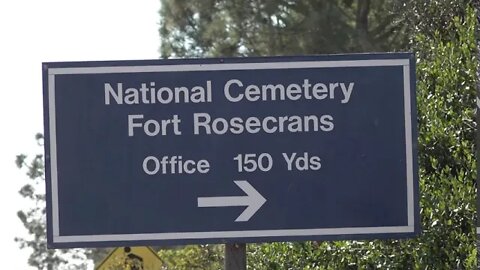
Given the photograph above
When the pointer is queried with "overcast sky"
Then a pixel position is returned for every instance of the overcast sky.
(32, 32)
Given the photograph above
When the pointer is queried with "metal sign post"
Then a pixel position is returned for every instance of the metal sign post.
(235, 256)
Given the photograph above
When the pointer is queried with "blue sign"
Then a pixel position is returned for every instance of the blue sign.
(230, 150)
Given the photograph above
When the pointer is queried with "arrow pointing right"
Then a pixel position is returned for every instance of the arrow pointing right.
(253, 201)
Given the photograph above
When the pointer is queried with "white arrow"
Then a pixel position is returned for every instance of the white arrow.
(253, 201)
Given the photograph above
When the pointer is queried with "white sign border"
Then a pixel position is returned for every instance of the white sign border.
(58, 238)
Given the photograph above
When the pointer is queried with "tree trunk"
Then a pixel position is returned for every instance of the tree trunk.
(361, 26)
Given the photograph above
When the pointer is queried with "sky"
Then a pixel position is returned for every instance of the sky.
(32, 32)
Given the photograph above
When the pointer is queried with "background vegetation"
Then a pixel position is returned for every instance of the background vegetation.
(442, 35)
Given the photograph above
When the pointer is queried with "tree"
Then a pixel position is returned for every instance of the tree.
(34, 221)
(34, 218)
(477, 141)
(203, 257)
(268, 27)
(442, 34)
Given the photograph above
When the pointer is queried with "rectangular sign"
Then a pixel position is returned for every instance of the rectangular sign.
(230, 150)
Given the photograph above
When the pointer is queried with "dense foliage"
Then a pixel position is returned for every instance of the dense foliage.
(198, 257)
(442, 33)
(272, 27)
